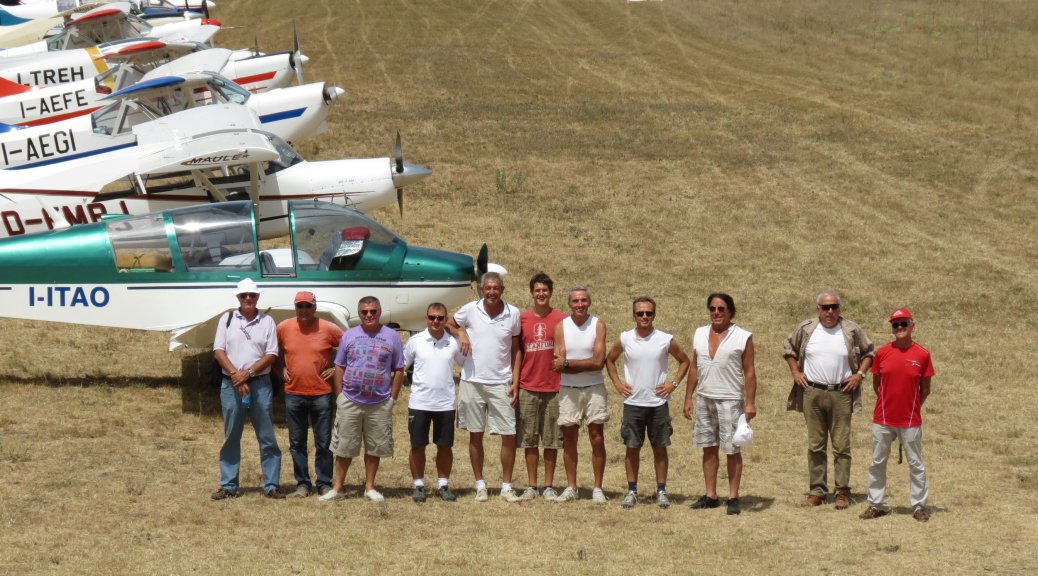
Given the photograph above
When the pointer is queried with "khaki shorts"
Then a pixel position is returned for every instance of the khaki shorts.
(478, 403)
(584, 405)
(371, 422)
(715, 423)
(537, 425)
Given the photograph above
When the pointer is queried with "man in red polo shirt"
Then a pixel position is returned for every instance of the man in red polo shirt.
(901, 378)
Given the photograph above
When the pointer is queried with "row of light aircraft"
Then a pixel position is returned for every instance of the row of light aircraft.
(137, 197)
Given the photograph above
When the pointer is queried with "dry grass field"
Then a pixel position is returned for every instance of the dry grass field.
(673, 148)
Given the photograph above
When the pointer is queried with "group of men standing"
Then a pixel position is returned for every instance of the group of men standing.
(534, 378)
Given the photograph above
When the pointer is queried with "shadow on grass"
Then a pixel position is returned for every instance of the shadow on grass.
(85, 381)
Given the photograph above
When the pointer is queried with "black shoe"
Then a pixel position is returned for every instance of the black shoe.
(223, 494)
(419, 494)
(706, 502)
(275, 494)
(445, 494)
(733, 507)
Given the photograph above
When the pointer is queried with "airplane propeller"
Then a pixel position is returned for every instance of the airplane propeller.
(482, 261)
(297, 57)
(404, 173)
(398, 154)
(332, 93)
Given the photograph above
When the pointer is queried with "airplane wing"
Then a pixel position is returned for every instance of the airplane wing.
(201, 34)
(209, 151)
(201, 335)
(211, 60)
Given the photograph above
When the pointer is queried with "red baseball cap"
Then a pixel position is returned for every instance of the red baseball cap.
(307, 297)
(901, 313)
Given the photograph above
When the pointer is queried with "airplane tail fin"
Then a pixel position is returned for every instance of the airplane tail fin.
(8, 88)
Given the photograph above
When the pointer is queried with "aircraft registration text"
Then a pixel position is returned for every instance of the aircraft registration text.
(55, 103)
(68, 296)
(38, 147)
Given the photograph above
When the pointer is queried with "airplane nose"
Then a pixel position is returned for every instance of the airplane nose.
(411, 174)
(332, 93)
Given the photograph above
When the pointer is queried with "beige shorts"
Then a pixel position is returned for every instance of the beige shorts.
(537, 425)
(584, 405)
(714, 423)
(372, 423)
(480, 404)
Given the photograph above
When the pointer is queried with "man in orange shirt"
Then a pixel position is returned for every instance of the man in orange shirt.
(307, 344)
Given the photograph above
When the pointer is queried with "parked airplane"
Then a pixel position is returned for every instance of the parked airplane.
(175, 271)
(209, 153)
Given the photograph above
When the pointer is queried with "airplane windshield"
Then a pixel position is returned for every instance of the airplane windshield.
(216, 237)
(287, 155)
(139, 244)
(121, 116)
(222, 90)
(344, 238)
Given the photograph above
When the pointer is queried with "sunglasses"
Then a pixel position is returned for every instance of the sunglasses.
(304, 305)
(433, 318)
(900, 325)
(644, 314)
(717, 308)
(828, 307)
(248, 295)
(369, 312)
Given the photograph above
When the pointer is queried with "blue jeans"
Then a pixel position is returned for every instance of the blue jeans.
(302, 412)
(262, 414)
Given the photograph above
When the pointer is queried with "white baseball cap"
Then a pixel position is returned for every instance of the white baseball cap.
(247, 286)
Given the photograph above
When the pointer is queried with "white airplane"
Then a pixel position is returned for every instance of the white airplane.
(108, 23)
(32, 106)
(174, 271)
(209, 153)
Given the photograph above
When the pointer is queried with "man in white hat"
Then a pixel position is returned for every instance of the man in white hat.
(246, 346)
(901, 378)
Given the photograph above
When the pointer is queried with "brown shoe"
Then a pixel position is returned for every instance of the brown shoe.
(843, 499)
(873, 512)
(275, 494)
(223, 494)
(921, 514)
(814, 500)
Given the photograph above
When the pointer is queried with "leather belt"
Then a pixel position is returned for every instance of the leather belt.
(828, 387)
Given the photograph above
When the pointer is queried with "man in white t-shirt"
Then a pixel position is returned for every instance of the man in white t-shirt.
(828, 357)
(722, 374)
(488, 334)
(646, 394)
(433, 352)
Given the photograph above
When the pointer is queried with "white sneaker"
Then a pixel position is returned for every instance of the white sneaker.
(598, 496)
(550, 494)
(481, 495)
(529, 494)
(568, 495)
(332, 496)
(510, 495)
(374, 495)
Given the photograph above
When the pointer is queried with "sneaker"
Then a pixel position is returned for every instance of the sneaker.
(481, 495)
(510, 495)
(301, 491)
(706, 502)
(550, 494)
(446, 495)
(529, 494)
(568, 495)
(332, 496)
(662, 500)
(598, 496)
(223, 494)
(419, 494)
(322, 490)
(921, 514)
(813, 500)
(733, 507)
(274, 494)
(873, 512)
(843, 499)
(374, 496)
(630, 499)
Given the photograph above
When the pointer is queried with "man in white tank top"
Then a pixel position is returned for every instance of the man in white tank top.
(722, 374)
(579, 357)
(646, 391)
(828, 358)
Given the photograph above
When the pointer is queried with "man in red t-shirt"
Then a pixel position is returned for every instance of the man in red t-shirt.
(901, 378)
(537, 421)
(307, 344)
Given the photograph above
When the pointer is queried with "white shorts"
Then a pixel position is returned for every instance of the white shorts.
(715, 422)
(480, 403)
(583, 405)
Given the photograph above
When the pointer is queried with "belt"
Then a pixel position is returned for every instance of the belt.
(829, 387)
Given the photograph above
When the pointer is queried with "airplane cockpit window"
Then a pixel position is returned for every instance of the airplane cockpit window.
(216, 237)
(227, 91)
(139, 244)
(121, 116)
(344, 238)
(287, 155)
(57, 41)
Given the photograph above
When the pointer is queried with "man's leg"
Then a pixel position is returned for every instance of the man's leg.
(711, 463)
(661, 461)
(507, 457)
(342, 466)
(531, 456)
(841, 439)
(263, 424)
(370, 470)
(912, 441)
(570, 436)
(233, 424)
(418, 424)
(322, 413)
(444, 461)
(476, 453)
(631, 463)
(816, 416)
(596, 435)
(297, 417)
(551, 456)
(882, 437)
(550, 436)
(734, 474)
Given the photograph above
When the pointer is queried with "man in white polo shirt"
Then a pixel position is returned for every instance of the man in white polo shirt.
(433, 353)
(488, 332)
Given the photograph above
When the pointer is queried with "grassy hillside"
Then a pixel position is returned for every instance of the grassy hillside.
(766, 149)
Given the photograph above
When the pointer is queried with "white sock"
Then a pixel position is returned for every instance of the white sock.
(481, 484)
(506, 486)
(419, 483)
(441, 482)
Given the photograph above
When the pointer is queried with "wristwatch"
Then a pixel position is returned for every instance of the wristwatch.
(861, 374)
(251, 373)
(565, 364)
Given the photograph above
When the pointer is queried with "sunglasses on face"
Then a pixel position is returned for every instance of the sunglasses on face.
(717, 308)
(248, 295)
(644, 314)
(304, 305)
(900, 325)
(828, 307)
(434, 318)
(369, 312)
